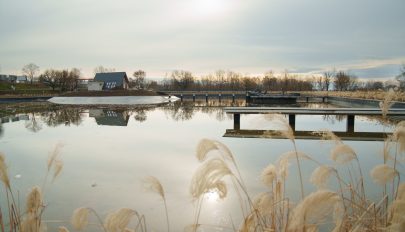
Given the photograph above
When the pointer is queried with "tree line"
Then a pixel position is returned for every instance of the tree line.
(221, 80)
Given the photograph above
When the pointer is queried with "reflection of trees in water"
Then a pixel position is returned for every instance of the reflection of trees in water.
(334, 118)
(185, 110)
(66, 116)
(1, 130)
(141, 113)
(33, 124)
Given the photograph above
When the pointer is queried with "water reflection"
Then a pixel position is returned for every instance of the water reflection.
(110, 117)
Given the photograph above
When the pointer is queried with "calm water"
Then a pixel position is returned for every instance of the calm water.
(108, 151)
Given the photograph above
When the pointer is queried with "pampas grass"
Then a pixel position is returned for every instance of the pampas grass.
(320, 176)
(3, 171)
(153, 184)
(383, 173)
(80, 218)
(207, 176)
(313, 210)
(342, 154)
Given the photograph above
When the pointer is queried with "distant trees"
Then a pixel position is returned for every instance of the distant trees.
(63, 79)
(102, 69)
(401, 78)
(139, 79)
(30, 70)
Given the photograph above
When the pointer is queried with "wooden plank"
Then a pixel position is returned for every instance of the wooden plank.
(275, 134)
(311, 111)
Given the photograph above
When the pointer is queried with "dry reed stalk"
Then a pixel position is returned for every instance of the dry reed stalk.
(386, 104)
(53, 154)
(118, 221)
(153, 184)
(397, 211)
(3, 172)
(401, 192)
(314, 209)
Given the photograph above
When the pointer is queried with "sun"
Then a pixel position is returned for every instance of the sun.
(206, 8)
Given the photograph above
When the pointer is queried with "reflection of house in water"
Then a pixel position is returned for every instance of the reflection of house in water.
(110, 117)
(14, 118)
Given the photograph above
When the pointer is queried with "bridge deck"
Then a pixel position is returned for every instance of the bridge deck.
(322, 111)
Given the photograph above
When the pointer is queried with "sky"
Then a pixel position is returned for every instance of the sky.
(363, 37)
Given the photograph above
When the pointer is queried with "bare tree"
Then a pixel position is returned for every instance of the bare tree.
(50, 77)
(30, 70)
(102, 69)
(327, 78)
(319, 82)
(139, 80)
(342, 81)
(401, 78)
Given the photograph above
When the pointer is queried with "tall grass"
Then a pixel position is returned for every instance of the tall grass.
(344, 207)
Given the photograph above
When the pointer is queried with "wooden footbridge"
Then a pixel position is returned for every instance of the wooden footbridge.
(349, 134)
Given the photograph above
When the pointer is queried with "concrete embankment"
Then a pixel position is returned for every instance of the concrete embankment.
(358, 102)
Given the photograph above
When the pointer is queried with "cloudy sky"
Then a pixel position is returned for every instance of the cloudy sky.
(364, 37)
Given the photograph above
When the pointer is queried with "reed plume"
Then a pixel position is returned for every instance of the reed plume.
(62, 229)
(281, 121)
(383, 173)
(58, 166)
(34, 200)
(342, 154)
(53, 155)
(153, 184)
(386, 104)
(326, 134)
(80, 218)
(399, 136)
(321, 175)
(118, 221)
(3, 171)
(205, 146)
(313, 210)
(269, 174)
(207, 176)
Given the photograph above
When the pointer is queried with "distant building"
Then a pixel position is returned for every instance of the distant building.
(112, 80)
(95, 85)
(17, 79)
(4, 77)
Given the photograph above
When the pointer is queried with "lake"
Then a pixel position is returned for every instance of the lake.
(108, 151)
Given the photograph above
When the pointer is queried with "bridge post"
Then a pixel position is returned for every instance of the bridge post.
(206, 97)
(233, 97)
(291, 121)
(236, 121)
(323, 99)
(350, 123)
(307, 99)
(219, 97)
(181, 97)
(193, 96)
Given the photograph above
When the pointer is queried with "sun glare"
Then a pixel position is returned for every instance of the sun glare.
(212, 196)
(209, 7)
